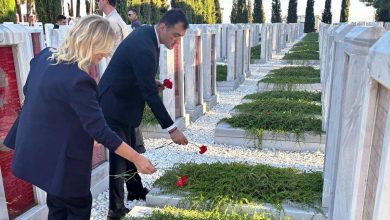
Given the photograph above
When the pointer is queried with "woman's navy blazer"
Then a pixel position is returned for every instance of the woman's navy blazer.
(54, 133)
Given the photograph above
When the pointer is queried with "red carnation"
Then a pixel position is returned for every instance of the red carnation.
(182, 181)
(167, 83)
(202, 149)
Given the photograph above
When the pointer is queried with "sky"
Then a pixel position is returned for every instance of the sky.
(357, 12)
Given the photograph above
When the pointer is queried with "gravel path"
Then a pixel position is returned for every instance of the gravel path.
(164, 154)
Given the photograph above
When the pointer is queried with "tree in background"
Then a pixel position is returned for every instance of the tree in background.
(250, 15)
(121, 7)
(382, 15)
(199, 12)
(209, 11)
(258, 12)
(7, 11)
(242, 12)
(327, 14)
(344, 11)
(292, 16)
(47, 10)
(309, 17)
(234, 12)
(382, 9)
(218, 13)
(276, 12)
(149, 11)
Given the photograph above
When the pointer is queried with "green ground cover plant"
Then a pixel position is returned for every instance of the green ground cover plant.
(293, 75)
(280, 105)
(289, 95)
(241, 183)
(255, 52)
(173, 213)
(307, 49)
(221, 73)
(279, 111)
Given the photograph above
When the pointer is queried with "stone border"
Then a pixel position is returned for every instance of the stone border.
(155, 199)
(225, 134)
(211, 102)
(223, 86)
(265, 87)
(303, 62)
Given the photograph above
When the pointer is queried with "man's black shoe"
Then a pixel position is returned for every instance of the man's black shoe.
(137, 195)
(116, 215)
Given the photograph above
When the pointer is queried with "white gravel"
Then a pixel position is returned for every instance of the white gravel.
(164, 154)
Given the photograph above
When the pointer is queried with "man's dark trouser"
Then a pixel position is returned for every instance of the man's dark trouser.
(120, 166)
(69, 208)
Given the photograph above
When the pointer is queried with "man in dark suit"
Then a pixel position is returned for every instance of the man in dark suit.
(129, 82)
(133, 18)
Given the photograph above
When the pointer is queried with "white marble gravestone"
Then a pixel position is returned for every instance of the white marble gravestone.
(193, 73)
(37, 38)
(232, 79)
(357, 44)
(3, 202)
(334, 107)
(264, 43)
(326, 66)
(246, 50)
(240, 53)
(371, 194)
(209, 65)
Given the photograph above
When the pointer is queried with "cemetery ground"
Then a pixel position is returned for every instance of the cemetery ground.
(225, 175)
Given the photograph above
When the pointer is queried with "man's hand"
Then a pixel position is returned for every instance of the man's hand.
(178, 137)
(144, 165)
(160, 86)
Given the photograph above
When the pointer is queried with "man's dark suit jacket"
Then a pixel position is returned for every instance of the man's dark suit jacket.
(53, 135)
(129, 80)
(136, 24)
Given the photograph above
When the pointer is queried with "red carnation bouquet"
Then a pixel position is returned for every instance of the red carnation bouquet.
(167, 83)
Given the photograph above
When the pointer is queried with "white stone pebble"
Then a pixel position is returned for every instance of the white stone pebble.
(164, 154)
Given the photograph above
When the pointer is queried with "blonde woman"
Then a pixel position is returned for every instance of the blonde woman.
(54, 133)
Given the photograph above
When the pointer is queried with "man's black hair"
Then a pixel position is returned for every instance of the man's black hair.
(112, 2)
(133, 10)
(60, 17)
(174, 16)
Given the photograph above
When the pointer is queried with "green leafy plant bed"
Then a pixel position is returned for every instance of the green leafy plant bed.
(279, 122)
(221, 73)
(307, 49)
(291, 78)
(289, 95)
(293, 75)
(255, 52)
(173, 213)
(280, 105)
(279, 112)
(215, 188)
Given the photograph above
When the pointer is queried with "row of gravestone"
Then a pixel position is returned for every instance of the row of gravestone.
(355, 67)
(191, 66)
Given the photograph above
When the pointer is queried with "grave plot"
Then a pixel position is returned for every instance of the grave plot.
(235, 191)
(234, 66)
(305, 52)
(282, 120)
(255, 54)
(300, 78)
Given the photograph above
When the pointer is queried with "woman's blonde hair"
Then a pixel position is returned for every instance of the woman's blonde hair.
(90, 36)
